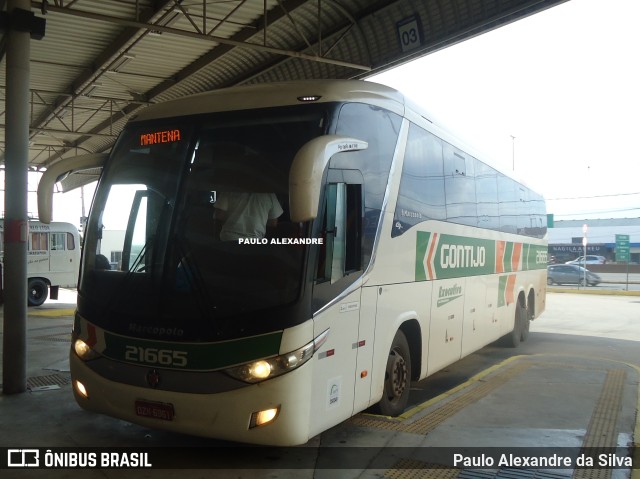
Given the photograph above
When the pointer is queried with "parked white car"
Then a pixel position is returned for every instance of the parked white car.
(591, 259)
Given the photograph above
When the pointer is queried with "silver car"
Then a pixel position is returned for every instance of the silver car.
(571, 274)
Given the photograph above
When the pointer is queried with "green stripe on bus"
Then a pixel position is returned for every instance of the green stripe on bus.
(508, 255)
(191, 356)
(502, 287)
(537, 257)
(422, 242)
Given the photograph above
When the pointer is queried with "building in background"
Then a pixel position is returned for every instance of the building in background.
(565, 238)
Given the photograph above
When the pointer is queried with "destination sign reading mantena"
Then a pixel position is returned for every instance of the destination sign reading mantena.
(442, 256)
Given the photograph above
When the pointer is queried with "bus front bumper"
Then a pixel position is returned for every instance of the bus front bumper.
(230, 415)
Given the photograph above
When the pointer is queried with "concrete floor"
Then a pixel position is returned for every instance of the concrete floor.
(571, 389)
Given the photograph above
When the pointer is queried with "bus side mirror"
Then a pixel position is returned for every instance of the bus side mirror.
(307, 169)
(56, 172)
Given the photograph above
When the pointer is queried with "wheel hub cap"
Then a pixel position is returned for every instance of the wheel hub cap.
(398, 375)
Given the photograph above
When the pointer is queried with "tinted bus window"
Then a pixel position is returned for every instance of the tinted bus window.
(487, 196)
(421, 195)
(460, 187)
(380, 128)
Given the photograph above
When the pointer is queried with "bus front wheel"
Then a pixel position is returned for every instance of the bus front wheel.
(397, 378)
(37, 292)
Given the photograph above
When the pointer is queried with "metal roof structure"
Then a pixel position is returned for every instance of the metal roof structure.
(101, 61)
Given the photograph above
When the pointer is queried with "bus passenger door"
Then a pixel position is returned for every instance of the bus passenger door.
(58, 257)
(337, 301)
(64, 259)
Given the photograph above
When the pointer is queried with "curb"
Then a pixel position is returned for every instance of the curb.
(603, 292)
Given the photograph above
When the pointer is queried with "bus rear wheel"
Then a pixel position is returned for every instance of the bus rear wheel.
(520, 328)
(37, 292)
(397, 378)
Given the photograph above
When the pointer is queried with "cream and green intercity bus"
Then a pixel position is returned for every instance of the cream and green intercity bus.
(386, 252)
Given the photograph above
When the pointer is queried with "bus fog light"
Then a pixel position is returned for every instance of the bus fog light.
(80, 389)
(260, 418)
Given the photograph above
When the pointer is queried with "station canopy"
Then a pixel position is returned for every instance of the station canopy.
(101, 61)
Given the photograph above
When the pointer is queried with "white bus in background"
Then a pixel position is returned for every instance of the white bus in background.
(53, 259)
(398, 252)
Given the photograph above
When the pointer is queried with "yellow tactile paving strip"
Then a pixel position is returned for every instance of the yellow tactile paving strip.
(601, 432)
(411, 469)
(51, 313)
(430, 421)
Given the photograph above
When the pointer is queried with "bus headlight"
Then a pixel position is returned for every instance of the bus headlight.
(256, 371)
(84, 351)
(260, 369)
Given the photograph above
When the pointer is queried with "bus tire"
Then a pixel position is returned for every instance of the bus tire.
(397, 378)
(37, 292)
(526, 322)
(512, 339)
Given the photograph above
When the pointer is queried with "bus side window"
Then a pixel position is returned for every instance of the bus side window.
(39, 242)
(341, 252)
(57, 241)
(71, 244)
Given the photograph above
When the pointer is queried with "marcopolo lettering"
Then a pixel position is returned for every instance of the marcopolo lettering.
(462, 256)
(155, 330)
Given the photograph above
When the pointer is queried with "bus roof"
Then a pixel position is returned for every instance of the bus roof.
(266, 95)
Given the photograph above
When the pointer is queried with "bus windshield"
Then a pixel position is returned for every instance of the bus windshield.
(190, 235)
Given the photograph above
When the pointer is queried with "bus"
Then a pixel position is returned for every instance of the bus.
(392, 252)
(53, 259)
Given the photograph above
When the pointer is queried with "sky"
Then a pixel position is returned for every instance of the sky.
(564, 82)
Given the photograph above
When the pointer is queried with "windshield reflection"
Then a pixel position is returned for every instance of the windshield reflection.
(177, 236)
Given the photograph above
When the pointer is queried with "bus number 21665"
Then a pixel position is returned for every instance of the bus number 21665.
(162, 357)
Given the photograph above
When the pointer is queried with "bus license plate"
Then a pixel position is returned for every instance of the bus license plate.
(155, 410)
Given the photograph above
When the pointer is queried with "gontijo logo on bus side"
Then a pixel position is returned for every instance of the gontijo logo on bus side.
(443, 256)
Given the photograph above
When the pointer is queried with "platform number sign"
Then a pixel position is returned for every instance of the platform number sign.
(409, 33)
